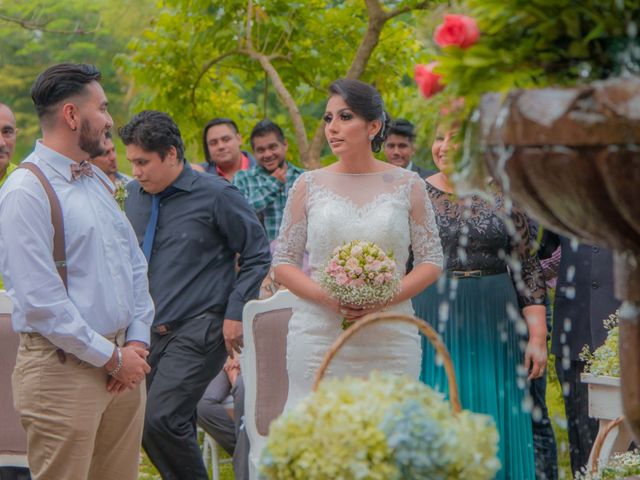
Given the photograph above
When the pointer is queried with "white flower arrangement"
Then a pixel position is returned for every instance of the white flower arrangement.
(386, 427)
(605, 360)
(619, 466)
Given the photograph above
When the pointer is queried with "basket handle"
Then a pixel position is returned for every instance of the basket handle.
(599, 442)
(424, 327)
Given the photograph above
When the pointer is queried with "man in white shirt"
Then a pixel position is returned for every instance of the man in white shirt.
(78, 383)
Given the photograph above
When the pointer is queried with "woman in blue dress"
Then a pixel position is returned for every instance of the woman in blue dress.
(479, 305)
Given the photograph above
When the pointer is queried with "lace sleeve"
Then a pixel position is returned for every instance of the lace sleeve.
(425, 239)
(529, 279)
(292, 238)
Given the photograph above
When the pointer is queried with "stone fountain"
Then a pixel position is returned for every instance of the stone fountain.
(572, 158)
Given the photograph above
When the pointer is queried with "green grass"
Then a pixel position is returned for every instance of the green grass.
(555, 404)
(149, 472)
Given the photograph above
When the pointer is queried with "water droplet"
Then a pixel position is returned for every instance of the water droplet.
(571, 273)
(536, 413)
(567, 324)
(443, 311)
(527, 404)
(574, 244)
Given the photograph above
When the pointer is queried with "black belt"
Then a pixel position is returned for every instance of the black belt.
(475, 273)
(169, 327)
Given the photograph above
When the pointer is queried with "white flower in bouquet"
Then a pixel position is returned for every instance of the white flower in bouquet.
(386, 427)
(361, 273)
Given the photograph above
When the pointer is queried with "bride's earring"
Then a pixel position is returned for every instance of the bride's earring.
(371, 137)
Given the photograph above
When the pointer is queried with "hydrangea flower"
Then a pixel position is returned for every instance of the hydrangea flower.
(385, 427)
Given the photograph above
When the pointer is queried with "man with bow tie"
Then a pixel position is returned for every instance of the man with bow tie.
(78, 282)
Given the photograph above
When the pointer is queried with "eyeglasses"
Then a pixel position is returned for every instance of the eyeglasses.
(8, 133)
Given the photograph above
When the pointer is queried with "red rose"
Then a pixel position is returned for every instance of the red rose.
(457, 30)
(428, 82)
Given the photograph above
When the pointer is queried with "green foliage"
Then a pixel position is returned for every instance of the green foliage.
(195, 61)
(533, 43)
(39, 33)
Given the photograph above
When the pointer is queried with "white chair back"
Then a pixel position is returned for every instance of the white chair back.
(264, 367)
(13, 439)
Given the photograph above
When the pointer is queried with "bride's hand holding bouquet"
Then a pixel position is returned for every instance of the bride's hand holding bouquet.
(360, 278)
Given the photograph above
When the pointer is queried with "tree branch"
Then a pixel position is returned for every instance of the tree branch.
(203, 72)
(289, 103)
(399, 11)
(28, 25)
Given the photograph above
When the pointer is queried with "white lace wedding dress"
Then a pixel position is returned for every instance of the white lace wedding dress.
(326, 209)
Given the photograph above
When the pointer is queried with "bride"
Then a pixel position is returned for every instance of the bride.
(356, 198)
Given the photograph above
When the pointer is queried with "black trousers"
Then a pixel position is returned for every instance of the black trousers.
(582, 428)
(183, 362)
(544, 441)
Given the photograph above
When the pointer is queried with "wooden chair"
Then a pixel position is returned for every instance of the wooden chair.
(13, 439)
(264, 367)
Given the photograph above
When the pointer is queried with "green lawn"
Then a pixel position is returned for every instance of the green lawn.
(148, 471)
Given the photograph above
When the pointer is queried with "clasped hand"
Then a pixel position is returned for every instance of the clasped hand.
(354, 312)
(134, 368)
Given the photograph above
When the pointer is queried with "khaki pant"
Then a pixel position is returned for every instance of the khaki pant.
(76, 430)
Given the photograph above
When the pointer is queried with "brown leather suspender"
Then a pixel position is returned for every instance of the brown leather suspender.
(59, 254)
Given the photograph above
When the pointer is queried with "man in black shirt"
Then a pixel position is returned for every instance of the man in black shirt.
(191, 227)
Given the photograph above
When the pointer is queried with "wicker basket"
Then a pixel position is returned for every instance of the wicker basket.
(599, 442)
(426, 329)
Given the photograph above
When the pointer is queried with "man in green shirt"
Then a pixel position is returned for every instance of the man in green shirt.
(8, 133)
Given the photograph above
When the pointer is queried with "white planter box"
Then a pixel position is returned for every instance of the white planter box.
(605, 398)
(605, 405)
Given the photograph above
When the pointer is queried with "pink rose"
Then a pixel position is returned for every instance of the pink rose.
(427, 81)
(457, 30)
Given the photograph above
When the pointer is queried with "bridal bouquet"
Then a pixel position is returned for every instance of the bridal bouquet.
(360, 273)
(386, 427)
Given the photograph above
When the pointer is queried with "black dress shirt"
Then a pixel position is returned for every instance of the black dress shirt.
(203, 222)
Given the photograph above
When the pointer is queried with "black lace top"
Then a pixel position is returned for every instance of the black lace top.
(475, 237)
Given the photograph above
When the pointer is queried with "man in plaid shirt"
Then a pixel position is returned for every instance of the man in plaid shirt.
(267, 184)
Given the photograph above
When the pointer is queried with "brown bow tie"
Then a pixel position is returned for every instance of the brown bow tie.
(82, 168)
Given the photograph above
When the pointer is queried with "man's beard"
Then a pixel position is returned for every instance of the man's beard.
(89, 141)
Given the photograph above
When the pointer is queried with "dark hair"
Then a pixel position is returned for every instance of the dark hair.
(366, 102)
(212, 123)
(60, 82)
(265, 127)
(153, 131)
(402, 127)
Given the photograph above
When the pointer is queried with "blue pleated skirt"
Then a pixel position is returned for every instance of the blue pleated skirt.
(473, 318)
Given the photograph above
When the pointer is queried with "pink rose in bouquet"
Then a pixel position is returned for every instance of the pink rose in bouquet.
(428, 82)
(360, 273)
(457, 30)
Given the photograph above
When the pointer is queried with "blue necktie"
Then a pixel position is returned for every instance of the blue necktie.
(150, 233)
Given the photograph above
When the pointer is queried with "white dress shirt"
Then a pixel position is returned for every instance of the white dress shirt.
(107, 272)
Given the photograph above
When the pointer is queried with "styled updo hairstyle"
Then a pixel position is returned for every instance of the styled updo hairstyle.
(366, 102)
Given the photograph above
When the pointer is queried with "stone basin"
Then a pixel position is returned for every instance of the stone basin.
(571, 158)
